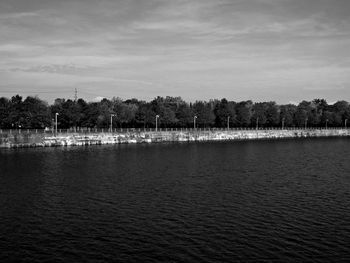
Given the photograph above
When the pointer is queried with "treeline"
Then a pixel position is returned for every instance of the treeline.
(173, 112)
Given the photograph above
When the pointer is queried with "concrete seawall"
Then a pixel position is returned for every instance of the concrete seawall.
(10, 140)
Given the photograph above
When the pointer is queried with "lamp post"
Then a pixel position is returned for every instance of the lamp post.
(228, 122)
(257, 122)
(326, 124)
(157, 116)
(346, 120)
(283, 123)
(194, 122)
(306, 119)
(56, 114)
(112, 115)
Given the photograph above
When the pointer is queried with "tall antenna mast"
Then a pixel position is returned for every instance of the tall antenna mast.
(75, 94)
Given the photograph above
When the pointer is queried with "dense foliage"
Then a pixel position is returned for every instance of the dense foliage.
(173, 112)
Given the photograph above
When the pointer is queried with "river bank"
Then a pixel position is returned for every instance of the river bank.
(29, 139)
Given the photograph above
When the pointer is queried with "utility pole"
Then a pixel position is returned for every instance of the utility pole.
(75, 94)
(194, 122)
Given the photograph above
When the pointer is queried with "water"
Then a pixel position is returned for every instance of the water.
(284, 200)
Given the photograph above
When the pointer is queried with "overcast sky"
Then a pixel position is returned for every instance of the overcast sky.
(282, 50)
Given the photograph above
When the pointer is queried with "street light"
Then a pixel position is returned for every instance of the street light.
(228, 122)
(194, 121)
(112, 115)
(283, 123)
(346, 120)
(157, 116)
(56, 114)
(306, 119)
(257, 122)
(326, 123)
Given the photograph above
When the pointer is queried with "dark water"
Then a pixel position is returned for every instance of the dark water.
(240, 201)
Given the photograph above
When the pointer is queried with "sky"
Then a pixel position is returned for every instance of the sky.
(262, 50)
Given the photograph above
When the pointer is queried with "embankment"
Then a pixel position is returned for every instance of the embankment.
(28, 139)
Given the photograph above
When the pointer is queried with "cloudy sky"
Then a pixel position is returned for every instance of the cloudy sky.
(282, 50)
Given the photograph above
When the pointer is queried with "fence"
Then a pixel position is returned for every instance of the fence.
(128, 130)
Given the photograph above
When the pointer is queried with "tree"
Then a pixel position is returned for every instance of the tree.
(244, 113)
(328, 117)
(92, 113)
(259, 114)
(126, 114)
(184, 115)
(272, 114)
(204, 113)
(224, 111)
(167, 117)
(340, 111)
(82, 108)
(4, 113)
(302, 113)
(35, 113)
(69, 113)
(307, 113)
(105, 109)
(144, 115)
(15, 119)
(287, 114)
(166, 109)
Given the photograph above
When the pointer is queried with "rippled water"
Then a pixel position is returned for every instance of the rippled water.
(284, 200)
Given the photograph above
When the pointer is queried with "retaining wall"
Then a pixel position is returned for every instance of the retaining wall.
(11, 140)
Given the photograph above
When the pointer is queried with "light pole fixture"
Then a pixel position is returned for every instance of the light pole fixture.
(56, 114)
(306, 119)
(326, 124)
(112, 115)
(257, 122)
(283, 123)
(346, 120)
(157, 116)
(228, 122)
(194, 121)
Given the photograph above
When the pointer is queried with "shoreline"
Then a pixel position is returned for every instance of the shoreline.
(29, 139)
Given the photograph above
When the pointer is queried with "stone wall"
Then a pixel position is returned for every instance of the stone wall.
(27, 139)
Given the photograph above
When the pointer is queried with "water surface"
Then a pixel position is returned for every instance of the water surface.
(285, 200)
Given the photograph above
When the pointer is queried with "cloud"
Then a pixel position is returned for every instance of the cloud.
(188, 48)
(97, 99)
(16, 16)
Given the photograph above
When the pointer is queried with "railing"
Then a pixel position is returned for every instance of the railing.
(128, 130)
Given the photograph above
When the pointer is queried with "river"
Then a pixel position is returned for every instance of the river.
(282, 200)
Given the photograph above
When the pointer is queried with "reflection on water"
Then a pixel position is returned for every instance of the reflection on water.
(261, 200)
